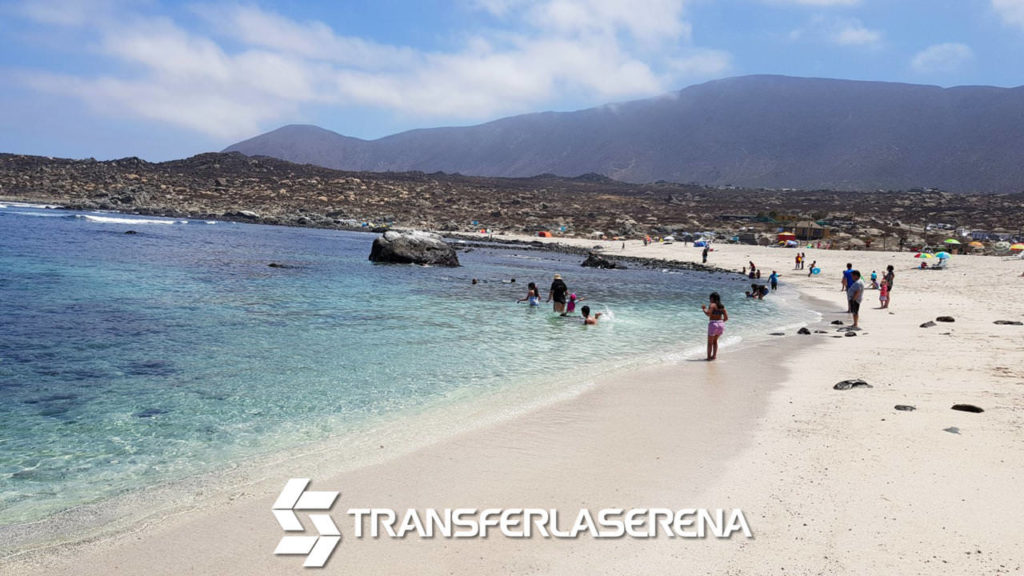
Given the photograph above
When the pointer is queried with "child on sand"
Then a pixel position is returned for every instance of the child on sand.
(587, 319)
(717, 317)
(883, 295)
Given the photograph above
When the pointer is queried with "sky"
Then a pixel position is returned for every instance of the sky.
(163, 80)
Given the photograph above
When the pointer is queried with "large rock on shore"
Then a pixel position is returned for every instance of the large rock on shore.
(595, 261)
(413, 248)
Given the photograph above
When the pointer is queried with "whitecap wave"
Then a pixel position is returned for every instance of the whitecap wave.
(114, 220)
(31, 205)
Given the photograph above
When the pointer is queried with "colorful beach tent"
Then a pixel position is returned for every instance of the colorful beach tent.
(1017, 246)
(544, 234)
(942, 255)
(785, 236)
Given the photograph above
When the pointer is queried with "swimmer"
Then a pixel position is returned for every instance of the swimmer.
(587, 319)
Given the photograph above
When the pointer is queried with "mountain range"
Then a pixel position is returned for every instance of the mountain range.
(749, 131)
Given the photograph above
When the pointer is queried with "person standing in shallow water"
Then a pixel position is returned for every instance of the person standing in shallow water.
(558, 292)
(532, 295)
(717, 317)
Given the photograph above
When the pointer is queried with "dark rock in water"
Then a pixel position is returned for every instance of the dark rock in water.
(837, 322)
(848, 334)
(1009, 323)
(928, 324)
(595, 261)
(967, 408)
(803, 331)
(945, 319)
(150, 412)
(952, 430)
(413, 248)
(279, 265)
(777, 334)
(821, 331)
(905, 407)
(847, 384)
(130, 232)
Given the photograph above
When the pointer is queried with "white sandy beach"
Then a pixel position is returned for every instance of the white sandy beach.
(831, 482)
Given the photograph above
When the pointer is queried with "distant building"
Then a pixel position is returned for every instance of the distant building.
(810, 230)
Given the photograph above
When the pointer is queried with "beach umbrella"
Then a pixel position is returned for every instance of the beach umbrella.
(1017, 246)
(976, 244)
(952, 241)
(942, 255)
(924, 255)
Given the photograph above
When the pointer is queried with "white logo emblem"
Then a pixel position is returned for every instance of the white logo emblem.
(317, 549)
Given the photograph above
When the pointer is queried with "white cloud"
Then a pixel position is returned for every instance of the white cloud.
(839, 31)
(1011, 11)
(855, 34)
(253, 67)
(938, 58)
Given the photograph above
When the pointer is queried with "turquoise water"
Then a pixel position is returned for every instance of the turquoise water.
(131, 360)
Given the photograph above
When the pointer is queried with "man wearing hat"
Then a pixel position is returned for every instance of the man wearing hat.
(558, 293)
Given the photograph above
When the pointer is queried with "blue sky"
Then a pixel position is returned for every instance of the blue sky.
(163, 80)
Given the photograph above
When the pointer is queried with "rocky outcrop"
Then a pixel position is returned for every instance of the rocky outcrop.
(595, 261)
(413, 248)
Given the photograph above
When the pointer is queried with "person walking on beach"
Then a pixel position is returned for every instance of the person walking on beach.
(774, 280)
(717, 317)
(589, 320)
(854, 293)
(813, 264)
(704, 255)
(803, 259)
(847, 280)
(883, 295)
(558, 292)
(796, 266)
(532, 295)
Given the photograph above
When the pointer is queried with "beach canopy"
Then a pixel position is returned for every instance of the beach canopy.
(952, 241)
(1017, 246)
(942, 255)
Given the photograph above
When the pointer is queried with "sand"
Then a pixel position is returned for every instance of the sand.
(831, 482)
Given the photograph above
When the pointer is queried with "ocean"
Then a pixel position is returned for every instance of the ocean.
(133, 360)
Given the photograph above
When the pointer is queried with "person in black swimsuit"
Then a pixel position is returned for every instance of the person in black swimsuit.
(558, 293)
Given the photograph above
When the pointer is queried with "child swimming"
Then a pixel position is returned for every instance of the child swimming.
(587, 319)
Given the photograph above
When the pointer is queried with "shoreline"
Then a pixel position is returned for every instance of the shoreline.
(124, 513)
(831, 481)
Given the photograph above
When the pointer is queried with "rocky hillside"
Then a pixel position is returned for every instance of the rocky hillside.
(236, 187)
(753, 131)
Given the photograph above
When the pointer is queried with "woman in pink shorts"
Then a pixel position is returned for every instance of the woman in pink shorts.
(717, 317)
